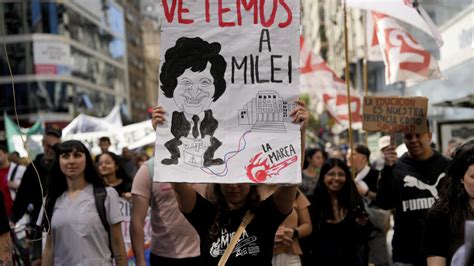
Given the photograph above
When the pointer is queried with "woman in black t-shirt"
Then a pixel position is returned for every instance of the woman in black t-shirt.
(217, 218)
(444, 223)
(339, 218)
(114, 174)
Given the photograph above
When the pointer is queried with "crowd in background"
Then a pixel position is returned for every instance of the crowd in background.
(344, 212)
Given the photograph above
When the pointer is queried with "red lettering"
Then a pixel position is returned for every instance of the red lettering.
(271, 20)
(181, 11)
(247, 6)
(220, 12)
(169, 14)
(208, 14)
(288, 12)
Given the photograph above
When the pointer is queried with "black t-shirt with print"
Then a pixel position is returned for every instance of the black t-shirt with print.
(124, 186)
(255, 246)
(410, 187)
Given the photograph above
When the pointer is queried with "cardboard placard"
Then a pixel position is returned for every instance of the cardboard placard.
(395, 114)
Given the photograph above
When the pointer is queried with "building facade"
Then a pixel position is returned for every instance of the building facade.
(66, 57)
(136, 59)
(151, 41)
(323, 26)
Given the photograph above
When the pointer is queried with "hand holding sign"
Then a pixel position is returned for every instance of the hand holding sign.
(158, 116)
(300, 114)
(390, 155)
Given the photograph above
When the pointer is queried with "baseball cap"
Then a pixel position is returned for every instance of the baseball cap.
(384, 142)
(53, 130)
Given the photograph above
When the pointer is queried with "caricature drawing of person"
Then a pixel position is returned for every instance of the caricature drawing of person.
(193, 75)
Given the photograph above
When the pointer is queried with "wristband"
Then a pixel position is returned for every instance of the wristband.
(296, 233)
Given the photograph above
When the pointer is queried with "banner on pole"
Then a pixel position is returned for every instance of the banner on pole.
(318, 79)
(405, 59)
(229, 76)
(403, 10)
(395, 114)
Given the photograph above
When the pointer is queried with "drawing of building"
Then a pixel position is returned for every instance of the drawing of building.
(266, 112)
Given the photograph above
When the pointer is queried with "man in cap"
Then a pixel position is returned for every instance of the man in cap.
(29, 191)
(410, 185)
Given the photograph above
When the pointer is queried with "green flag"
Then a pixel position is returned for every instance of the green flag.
(13, 133)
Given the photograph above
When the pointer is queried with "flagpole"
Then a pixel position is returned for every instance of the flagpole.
(346, 51)
(364, 69)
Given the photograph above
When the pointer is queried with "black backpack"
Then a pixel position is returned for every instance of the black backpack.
(99, 196)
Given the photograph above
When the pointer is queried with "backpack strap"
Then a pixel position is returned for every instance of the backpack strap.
(100, 193)
(12, 176)
(151, 170)
(151, 167)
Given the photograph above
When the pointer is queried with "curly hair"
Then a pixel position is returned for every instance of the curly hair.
(56, 182)
(215, 195)
(453, 199)
(194, 54)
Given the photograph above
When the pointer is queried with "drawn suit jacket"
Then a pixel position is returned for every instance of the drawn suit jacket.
(181, 127)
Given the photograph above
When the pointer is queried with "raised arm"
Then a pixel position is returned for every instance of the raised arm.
(285, 195)
(157, 116)
(385, 197)
(185, 195)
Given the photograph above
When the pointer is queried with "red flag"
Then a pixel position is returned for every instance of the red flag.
(374, 53)
(403, 10)
(405, 59)
(319, 80)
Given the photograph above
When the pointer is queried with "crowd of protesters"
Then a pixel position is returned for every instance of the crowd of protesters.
(339, 215)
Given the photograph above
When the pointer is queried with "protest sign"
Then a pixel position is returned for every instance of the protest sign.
(131, 136)
(229, 76)
(395, 114)
(126, 210)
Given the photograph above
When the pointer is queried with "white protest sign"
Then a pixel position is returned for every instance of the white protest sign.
(131, 136)
(126, 210)
(229, 77)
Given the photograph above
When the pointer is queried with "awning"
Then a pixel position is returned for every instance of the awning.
(465, 102)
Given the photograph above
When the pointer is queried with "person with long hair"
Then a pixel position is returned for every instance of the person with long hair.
(444, 223)
(77, 236)
(313, 160)
(338, 216)
(114, 174)
(217, 218)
